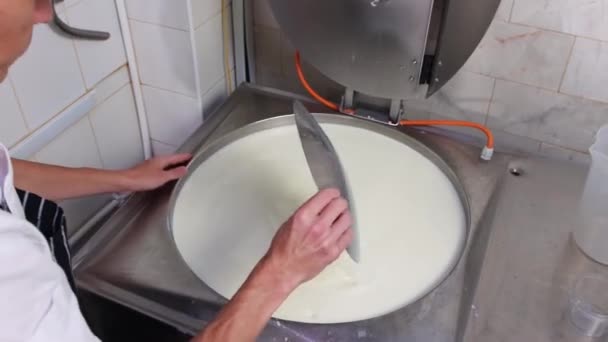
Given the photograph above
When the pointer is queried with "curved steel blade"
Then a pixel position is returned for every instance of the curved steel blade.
(324, 164)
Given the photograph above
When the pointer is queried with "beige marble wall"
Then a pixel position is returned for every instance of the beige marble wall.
(538, 79)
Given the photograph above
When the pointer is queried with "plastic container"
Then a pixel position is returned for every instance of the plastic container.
(589, 305)
(592, 233)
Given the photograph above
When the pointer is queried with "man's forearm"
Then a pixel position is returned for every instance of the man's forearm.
(58, 183)
(246, 315)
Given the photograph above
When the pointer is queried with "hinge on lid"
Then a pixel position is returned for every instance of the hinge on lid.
(391, 118)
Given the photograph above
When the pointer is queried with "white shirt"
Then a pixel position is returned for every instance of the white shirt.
(36, 301)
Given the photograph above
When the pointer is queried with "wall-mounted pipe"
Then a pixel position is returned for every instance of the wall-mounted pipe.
(134, 73)
(118, 199)
(63, 28)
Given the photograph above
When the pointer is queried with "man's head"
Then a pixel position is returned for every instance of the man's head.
(17, 18)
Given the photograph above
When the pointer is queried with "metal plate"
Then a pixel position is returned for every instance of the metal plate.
(288, 120)
(373, 46)
(130, 258)
(464, 24)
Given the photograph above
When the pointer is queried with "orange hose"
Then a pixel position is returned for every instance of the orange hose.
(484, 129)
(312, 92)
(335, 107)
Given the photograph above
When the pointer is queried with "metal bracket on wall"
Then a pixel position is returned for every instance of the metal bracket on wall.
(63, 28)
(391, 118)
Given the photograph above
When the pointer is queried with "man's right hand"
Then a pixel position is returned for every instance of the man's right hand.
(316, 234)
(310, 240)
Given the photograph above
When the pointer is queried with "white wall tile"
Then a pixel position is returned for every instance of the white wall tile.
(587, 18)
(75, 147)
(262, 14)
(171, 117)
(214, 97)
(203, 10)
(522, 54)
(173, 13)
(162, 149)
(559, 153)
(47, 78)
(505, 142)
(504, 10)
(465, 97)
(45, 134)
(209, 50)
(116, 129)
(98, 58)
(587, 73)
(111, 84)
(543, 115)
(164, 57)
(12, 127)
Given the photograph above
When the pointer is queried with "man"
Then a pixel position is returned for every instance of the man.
(36, 298)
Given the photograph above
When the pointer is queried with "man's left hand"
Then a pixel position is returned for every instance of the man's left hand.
(157, 171)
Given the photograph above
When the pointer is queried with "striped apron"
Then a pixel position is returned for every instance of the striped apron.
(49, 218)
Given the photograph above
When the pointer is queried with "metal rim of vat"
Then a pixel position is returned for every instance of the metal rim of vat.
(287, 120)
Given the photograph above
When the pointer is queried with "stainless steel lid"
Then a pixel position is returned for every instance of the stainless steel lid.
(386, 48)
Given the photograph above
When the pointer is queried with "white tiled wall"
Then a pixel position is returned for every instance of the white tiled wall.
(47, 78)
(164, 56)
(538, 78)
(179, 51)
(180, 55)
(13, 124)
(97, 58)
(57, 71)
(173, 13)
(116, 130)
(184, 111)
(208, 38)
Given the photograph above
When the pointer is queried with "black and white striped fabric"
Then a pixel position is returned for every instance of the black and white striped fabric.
(49, 218)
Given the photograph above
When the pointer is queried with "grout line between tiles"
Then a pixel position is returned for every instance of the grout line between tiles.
(159, 25)
(558, 32)
(511, 12)
(137, 61)
(21, 111)
(76, 54)
(538, 87)
(128, 84)
(561, 81)
(485, 121)
(168, 90)
(569, 149)
(194, 52)
(212, 16)
(88, 117)
(215, 83)
(112, 73)
(162, 142)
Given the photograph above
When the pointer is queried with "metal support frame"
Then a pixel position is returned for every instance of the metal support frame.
(396, 110)
(239, 48)
(349, 98)
(242, 26)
